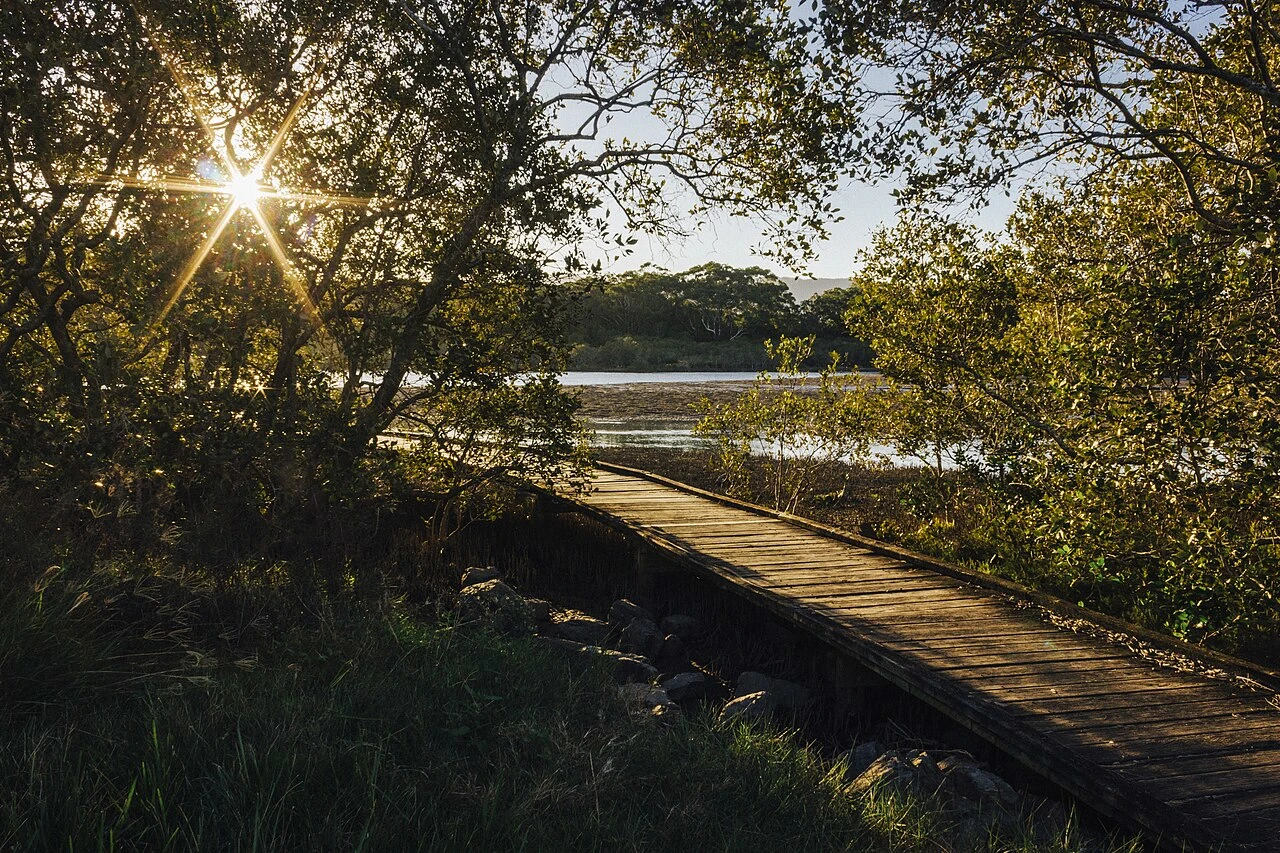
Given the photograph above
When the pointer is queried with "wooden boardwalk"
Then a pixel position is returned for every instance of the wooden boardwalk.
(1130, 728)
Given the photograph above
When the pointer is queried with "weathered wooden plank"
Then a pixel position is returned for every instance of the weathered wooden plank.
(637, 507)
(1102, 697)
(781, 536)
(1200, 766)
(784, 562)
(1190, 717)
(778, 547)
(757, 523)
(1111, 745)
(982, 662)
(933, 633)
(877, 610)
(941, 594)
(1094, 690)
(1232, 719)
(839, 584)
(851, 614)
(1016, 637)
(1259, 801)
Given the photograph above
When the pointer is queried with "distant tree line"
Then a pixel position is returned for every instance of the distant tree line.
(641, 319)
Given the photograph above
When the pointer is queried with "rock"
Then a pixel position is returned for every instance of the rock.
(791, 695)
(686, 687)
(685, 627)
(903, 769)
(562, 646)
(582, 629)
(667, 715)
(479, 574)
(494, 603)
(753, 706)
(625, 668)
(787, 694)
(623, 612)
(644, 698)
(861, 757)
(962, 777)
(927, 772)
(641, 637)
(541, 611)
(752, 682)
(672, 651)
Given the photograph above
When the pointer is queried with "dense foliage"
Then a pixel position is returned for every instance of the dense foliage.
(1101, 378)
(804, 425)
(969, 93)
(239, 241)
(1115, 350)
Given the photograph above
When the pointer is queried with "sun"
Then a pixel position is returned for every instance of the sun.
(245, 190)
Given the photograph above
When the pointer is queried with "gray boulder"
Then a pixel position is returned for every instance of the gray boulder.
(623, 667)
(640, 636)
(753, 706)
(562, 647)
(672, 652)
(686, 687)
(541, 612)
(685, 627)
(495, 604)
(791, 695)
(479, 574)
(581, 629)
(644, 698)
(623, 612)
(902, 769)
(787, 694)
(963, 778)
(861, 757)
(627, 668)
(752, 682)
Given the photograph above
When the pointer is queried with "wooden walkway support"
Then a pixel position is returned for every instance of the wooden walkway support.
(1161, 737)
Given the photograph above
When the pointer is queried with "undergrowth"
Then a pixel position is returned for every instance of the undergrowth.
(143, 707)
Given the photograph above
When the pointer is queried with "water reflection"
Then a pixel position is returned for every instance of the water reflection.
(678, 435)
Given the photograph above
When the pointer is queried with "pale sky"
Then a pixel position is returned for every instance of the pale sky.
(731, 240)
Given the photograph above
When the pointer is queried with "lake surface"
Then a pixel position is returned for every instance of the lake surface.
(678, 435)
(620, 377)
(619, 430)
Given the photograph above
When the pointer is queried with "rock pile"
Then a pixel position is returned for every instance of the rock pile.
(975, 797)
(648, 657)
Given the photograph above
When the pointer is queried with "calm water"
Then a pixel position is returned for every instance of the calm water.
(678, 435)
(618, 377)
(580, 378)
(621, 377)
(622, 431)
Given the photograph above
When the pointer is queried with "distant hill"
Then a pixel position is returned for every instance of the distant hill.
(803, 288)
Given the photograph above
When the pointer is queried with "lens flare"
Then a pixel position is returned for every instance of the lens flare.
(245, 190)
(221, 175)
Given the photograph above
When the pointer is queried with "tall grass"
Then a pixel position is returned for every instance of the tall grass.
(386, 733)
(143, 707)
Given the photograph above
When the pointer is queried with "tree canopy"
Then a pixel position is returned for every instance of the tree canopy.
(1113, 350)
(245, 238)
(971, 92)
